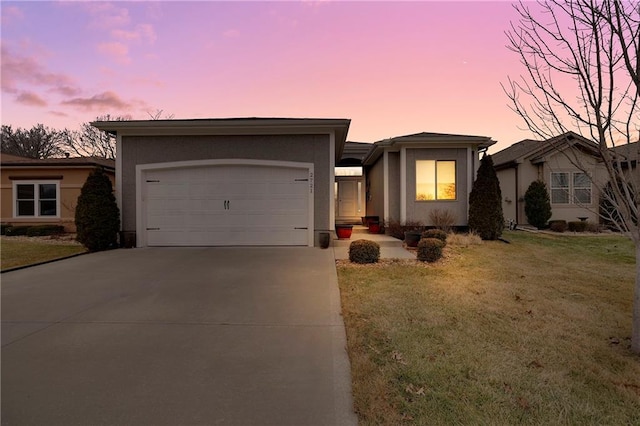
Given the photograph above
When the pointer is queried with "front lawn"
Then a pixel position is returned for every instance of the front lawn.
(532, 332)
(15, 251)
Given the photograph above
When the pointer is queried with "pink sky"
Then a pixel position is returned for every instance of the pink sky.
(392, 68)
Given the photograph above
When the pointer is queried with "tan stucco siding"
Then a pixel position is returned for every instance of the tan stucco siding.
(375, 189)
(394, 185)
(507, 179)
(70, 182)
(572, 211)
(137, 150)
(419, 210)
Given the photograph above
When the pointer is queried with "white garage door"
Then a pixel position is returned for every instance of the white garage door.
(226, 205)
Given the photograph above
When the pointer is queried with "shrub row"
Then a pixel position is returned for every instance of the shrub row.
(575, 226)
(32, 231)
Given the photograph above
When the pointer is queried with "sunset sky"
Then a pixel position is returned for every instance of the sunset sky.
(392, 68)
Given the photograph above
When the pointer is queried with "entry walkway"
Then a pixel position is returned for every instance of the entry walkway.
(390, 248)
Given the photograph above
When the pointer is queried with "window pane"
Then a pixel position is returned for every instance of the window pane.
(425, 180)
(47, 208)
(581, 180)
(446, 180)
(559, 196)
(25, 192)
(48, 191)
(583, 196)
(560, 180)
(25, 208)
(348, 171)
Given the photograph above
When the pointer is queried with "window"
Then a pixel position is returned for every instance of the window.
(36, 199)
(348, 171)
(435, 180)
(570, 188)
(581, 188)
(560, 188)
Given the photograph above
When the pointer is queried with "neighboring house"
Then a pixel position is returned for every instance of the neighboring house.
(408, 177)
(572, 194)
(278, 181)
(39, 192)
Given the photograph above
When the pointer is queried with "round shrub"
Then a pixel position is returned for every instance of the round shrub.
(97, 215)
(364, 251)
(436, 233)
(430, 249)
(578, 226)
(558, 225)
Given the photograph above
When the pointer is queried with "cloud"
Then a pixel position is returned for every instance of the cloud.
(102, 101)
(11, 14)
(118, 51)
(106, 15)
(30, 99)
(233, 33)
(58, 113)
(142, 33)
(18, 70)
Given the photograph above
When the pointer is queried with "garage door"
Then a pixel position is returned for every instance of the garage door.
(226, 205)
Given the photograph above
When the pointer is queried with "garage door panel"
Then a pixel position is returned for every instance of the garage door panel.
(227, 205)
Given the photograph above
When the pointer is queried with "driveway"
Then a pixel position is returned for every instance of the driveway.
(176, 336)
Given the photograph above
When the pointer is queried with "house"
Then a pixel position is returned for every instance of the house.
(555, 162)
(236, 181)
(45, 192)
(277, 181)
(408, 177)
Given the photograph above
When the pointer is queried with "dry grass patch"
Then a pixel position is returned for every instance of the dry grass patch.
(22, 251)
(533, 332)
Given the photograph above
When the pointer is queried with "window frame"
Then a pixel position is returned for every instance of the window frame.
(36, 199)
(455, 180)
(570, 189)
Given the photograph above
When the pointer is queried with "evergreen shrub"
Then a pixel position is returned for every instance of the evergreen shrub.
(485, 202)
(537, 205)
(364, 251)
(97, 215)
(436, 233)
(430, 249)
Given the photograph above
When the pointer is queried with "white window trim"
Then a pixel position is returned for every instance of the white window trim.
(36, 215)
(570, 190)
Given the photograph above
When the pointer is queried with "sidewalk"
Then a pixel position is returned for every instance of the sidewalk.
(390, 248)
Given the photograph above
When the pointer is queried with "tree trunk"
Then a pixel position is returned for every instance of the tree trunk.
(635, 327)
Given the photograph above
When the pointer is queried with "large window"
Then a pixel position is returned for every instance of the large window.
(435, 180)
(570, 188)
(36, 199)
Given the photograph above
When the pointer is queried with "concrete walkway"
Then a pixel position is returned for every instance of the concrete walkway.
(390, 248)
(176, 336)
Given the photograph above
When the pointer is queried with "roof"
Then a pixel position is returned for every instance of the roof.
(354, 153)
(9, 160)
(231, 126)
(537, 151)
(628, 150)
(435, 139)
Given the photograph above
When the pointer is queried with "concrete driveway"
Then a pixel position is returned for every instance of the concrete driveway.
(176, 336)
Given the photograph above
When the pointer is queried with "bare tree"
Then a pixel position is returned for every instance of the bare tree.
(38, 142)
(91, 142)
(160, 115)
(582, 62)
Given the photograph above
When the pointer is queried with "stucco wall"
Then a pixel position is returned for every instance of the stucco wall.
(507, 179)
(70, 186)
(161, 149)
(394, 185)
(419, 210)
(375, 189)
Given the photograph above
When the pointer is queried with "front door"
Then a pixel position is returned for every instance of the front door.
(348, 198)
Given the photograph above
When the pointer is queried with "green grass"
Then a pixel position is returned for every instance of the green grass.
(21, 253)
(532, 332)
